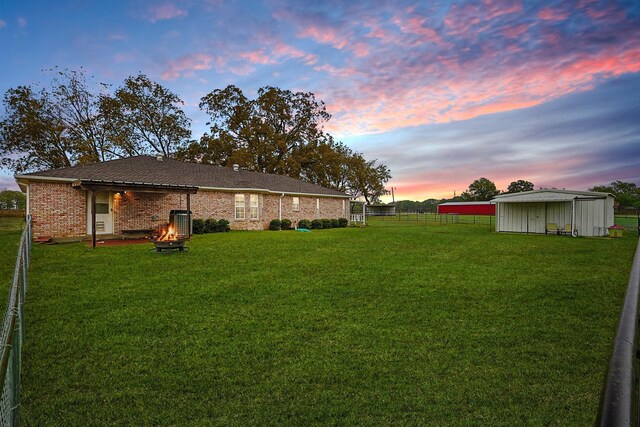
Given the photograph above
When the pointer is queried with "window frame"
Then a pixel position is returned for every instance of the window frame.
(295, 204)
(254, 207)
(239, 208)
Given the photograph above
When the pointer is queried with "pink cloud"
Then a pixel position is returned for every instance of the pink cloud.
(415, 25)
(473, 18)
(186, 65)
(166, 11)
(324, 35)
(383, 105)
(283, 50)
(515, 31)
(256, 57)
(2, 24)
(549, 14)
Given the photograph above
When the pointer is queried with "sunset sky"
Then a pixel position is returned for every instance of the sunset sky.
(441, 92)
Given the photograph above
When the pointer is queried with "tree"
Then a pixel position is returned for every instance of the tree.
(480, 189)
(65, 123)
(280, 132)
(627, 194)
(366, 179)
(12, 200)
(143, 117)
(519, 186)
(274, 133)
(32, 135)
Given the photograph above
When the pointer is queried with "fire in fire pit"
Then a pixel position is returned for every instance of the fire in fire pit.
(167, 239)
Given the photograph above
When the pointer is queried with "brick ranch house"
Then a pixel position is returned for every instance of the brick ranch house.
(138, 193)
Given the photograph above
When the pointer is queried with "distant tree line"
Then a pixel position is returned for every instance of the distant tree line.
(281, 132)
(12, 200)
(627, 194)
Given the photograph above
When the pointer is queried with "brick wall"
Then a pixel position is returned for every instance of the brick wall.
(57, 209)
(141, 211)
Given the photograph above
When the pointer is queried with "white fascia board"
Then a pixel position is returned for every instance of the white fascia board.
(43, 178)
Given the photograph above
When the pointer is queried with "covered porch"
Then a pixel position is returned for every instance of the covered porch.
(113, 204)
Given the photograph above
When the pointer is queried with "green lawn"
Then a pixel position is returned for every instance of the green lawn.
(10, 231)
(435, 325)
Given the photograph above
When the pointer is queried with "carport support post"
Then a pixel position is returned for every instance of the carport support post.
(93, 219)
(573, 217)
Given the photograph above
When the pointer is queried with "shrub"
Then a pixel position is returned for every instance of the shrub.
(198, 226)
(335, 223)
(223, 226)
(285, 224)
(210, 225)
(343, 222)
(326, 223)
(316, 224)
(275, 225)
(304, 223)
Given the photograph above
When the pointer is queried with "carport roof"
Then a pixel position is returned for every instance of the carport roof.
(548, 195)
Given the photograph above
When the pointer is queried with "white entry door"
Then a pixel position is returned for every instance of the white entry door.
(104, 213)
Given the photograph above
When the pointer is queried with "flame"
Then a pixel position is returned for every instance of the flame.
(167, 234)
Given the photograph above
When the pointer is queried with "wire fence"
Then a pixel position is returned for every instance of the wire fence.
(12, 335)
(419, 218)
(631, 223)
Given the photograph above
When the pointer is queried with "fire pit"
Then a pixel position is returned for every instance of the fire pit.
(169, 245)
(166, 239)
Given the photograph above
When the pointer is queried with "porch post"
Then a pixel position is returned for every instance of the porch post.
(364, 213)
(188, 216)
(93, 219)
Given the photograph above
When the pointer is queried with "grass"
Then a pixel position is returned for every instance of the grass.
(435, 325)
(10, 231)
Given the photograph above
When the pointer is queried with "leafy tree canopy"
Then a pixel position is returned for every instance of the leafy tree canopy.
(519, 186)
(65, 123)
(481, 189)
(627, 193)
(281, 132)
(13, 200)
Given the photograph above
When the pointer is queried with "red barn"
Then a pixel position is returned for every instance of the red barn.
(467, 208)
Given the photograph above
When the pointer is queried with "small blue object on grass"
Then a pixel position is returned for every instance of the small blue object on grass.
(304, 230)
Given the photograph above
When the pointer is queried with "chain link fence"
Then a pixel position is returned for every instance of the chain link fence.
(12, 335)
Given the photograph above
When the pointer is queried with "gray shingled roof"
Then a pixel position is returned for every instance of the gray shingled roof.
(148, 170)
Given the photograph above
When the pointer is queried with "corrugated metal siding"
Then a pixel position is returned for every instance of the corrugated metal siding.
(521, 217)
(559, 213)
(592, 217)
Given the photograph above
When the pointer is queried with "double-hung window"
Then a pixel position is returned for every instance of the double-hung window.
(295, 205)
(253, 207)
(239, 207)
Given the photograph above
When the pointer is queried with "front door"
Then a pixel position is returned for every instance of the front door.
(104, 213)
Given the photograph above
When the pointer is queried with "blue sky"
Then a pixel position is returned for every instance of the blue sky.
(441, 92)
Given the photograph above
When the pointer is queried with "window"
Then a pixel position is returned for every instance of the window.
(296, 204)
(102, 203)
(240, 206)
(253, 209)
(318, 205)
